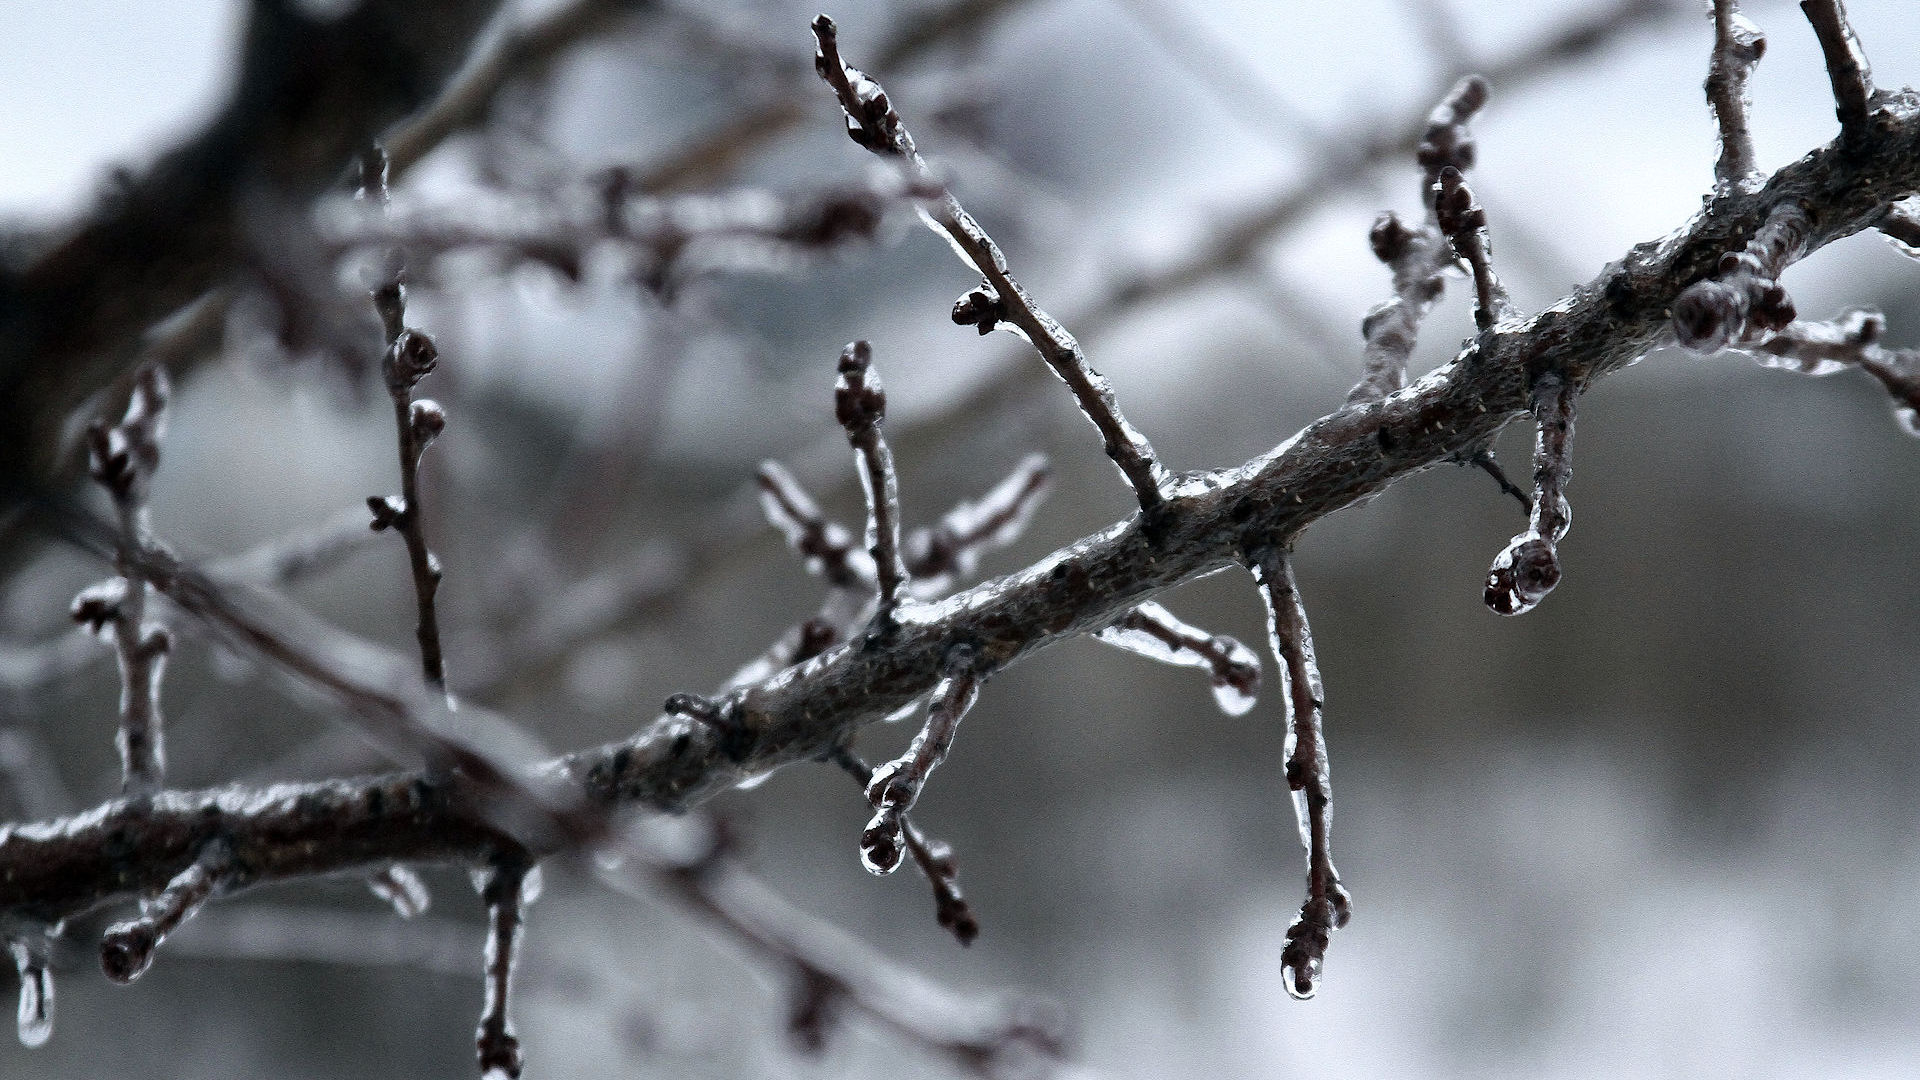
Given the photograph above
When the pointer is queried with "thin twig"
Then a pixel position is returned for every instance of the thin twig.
(1738, 46)
(410, 357)
(123, 459)
(873, 123)
(1847, 67)
(1528, 569)
(1152, 631)
(1328, 907)
(860, 404)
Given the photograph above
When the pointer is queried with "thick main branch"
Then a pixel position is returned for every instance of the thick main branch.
(1209, 521)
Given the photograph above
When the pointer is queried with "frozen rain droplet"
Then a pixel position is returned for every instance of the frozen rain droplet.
(1301, 986)
(753, 781)
(1233, 700)
(36, 996)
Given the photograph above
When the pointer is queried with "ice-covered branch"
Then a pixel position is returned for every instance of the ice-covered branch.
(895, 786)
(933, 857)
(1464, 223)
(1850, 341)
(874, 124)
(1152, 631)
(860, 404)
(507, 887)
(1847, 67)
(127, 948)
(1738, 46)
(949, 550)
(1418, 256)
(123, 458)
(1528, 569)
(56, 869)
(1328, 907)
(1743, 301)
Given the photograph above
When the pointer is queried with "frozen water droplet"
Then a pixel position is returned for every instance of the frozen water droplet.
(532, 885)
(36, 996)
(1233, 700)
(753, 781)
(881, 846)
(1301, 984)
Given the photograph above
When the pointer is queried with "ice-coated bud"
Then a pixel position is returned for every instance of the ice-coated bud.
(389, 511)
(1522, 575)
(409, 359)
(99, 604)
(428, 420)
(980, 307)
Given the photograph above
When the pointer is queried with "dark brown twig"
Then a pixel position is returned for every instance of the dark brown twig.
(507, 888)
(1464, 223)
(938, 556)
(1417, 256)
(873, 123)
(828, 548)
(1328, 907)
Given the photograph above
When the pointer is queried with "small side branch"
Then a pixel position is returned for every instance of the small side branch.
(933, 857)
(860, 404)
(834, 977)
(1850, 341)
(127, 948)
(1328, 905)
(1484, 460)
(123, 458)
(827, 547)
(1847, 67)
(1152, 631)
(1464, 223)
(1744, 300)
(1417, 256)
(873, 123)
(1738, 46)
(937, 557)
(896, 786)
(507, 888)
(410, 357)
(1529, 568)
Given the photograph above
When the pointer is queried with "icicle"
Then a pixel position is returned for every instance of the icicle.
(36, 993)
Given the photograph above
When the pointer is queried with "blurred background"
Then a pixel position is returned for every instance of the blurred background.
(1663, 826)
